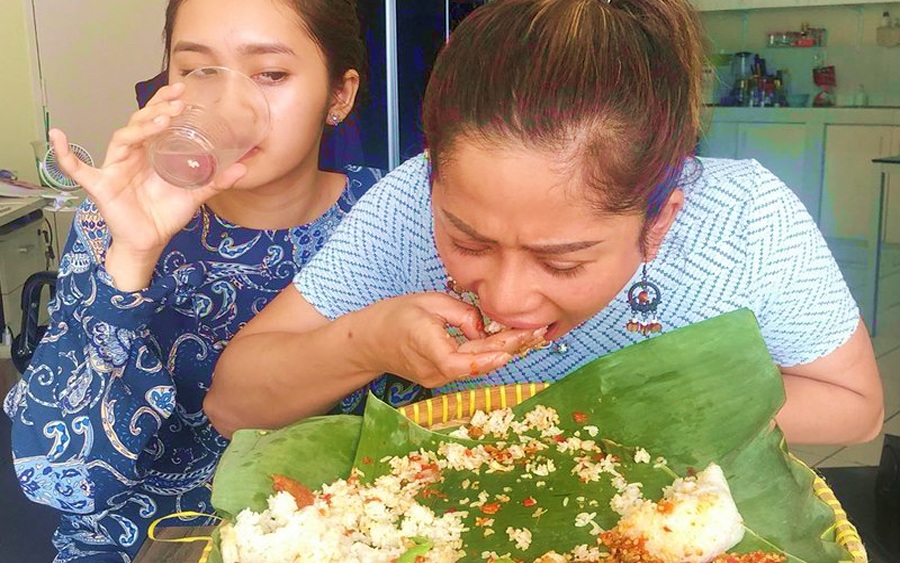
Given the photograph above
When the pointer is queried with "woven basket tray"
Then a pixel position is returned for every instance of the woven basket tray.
(454, 409)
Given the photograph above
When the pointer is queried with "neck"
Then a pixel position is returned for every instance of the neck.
(297, 198)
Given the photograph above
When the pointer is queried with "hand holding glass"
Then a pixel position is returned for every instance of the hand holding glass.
(226, 114)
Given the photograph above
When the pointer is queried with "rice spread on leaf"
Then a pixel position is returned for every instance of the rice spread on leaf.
(429, 503)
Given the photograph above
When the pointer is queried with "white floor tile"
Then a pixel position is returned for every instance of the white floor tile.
(889, 368)
(863, 454)
(859, 454)
(836, 461)
(885, 345)
(813, 455)
(891, 388)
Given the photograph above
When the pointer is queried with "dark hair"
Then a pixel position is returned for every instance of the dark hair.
(612, 88)
(333, 25)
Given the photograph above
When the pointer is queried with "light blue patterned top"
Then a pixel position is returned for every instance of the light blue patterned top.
(108, 424)
(743, 239)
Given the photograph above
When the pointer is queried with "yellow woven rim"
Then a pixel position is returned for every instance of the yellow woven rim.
(456, 408)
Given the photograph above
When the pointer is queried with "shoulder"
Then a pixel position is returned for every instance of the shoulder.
(405, 190)
(741, 196)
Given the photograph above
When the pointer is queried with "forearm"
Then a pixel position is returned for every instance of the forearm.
(271, 379)
(817, 412)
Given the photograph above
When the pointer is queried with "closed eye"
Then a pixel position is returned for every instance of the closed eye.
(567, 272)
(469, 250)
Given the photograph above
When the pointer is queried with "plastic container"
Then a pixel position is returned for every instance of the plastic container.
(860, 98)
(798, 100)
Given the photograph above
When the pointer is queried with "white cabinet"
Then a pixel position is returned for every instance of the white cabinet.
(22, 252)
(852, 181)
(780, 147)
(719, 140)
(892, 201)
(60, 222)
(730, 5)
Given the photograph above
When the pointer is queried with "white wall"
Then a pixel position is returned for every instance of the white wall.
(92, 54)
(19, 117)
(851, 46)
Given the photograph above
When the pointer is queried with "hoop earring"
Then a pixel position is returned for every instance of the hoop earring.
(644, 297)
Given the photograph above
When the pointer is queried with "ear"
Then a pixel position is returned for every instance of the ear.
(344, 95)
(660, 226)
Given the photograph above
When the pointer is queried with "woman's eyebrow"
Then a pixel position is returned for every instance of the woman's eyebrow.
(192, 47)
(561, 248)
(275, 47)
(248, 49)
(544, 249)
(462, 226)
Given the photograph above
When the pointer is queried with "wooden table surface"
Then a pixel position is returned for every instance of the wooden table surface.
(163, 552)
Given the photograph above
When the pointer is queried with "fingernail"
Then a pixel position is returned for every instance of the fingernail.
(539, 333)
(159, 119)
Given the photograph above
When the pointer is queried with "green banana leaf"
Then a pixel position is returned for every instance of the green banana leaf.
(315, 451)
(703, 393)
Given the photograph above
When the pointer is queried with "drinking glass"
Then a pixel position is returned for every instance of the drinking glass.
(226, 114)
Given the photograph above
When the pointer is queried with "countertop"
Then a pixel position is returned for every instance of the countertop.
(12, 208)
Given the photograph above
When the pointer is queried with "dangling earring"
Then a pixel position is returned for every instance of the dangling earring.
(644, 297)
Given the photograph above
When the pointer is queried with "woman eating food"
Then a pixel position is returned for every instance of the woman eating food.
(558, 205)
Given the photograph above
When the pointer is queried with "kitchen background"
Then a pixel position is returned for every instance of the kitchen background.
(850, 46)
(63, 57)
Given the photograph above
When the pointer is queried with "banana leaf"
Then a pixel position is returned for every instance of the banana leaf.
(315, 451)
(704, 393)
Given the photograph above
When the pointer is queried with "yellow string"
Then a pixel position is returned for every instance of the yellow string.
(445, 407)
(206, 550)
(151, 531)
(429, 404)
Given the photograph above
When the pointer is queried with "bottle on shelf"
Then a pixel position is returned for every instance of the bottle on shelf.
(886, 19)
(861, 98)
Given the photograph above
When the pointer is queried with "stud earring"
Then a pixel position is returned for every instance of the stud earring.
(644, 297)
(334, 119)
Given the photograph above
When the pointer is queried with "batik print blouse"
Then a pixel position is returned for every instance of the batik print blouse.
(108, 425)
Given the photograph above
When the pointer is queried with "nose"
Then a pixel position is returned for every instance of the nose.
(509, 295)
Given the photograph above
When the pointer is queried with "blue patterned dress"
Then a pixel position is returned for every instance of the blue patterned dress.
(108, 425)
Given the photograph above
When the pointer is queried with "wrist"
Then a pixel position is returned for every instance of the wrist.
(362, 351)
(131, 270)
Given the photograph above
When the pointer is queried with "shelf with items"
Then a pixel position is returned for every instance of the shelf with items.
(740, 5)
(806, 37)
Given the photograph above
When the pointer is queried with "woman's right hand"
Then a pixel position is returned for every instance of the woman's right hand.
(408, 336)
(141, 210)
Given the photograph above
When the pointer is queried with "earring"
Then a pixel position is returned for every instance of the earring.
(644, 297)
(334, 119)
